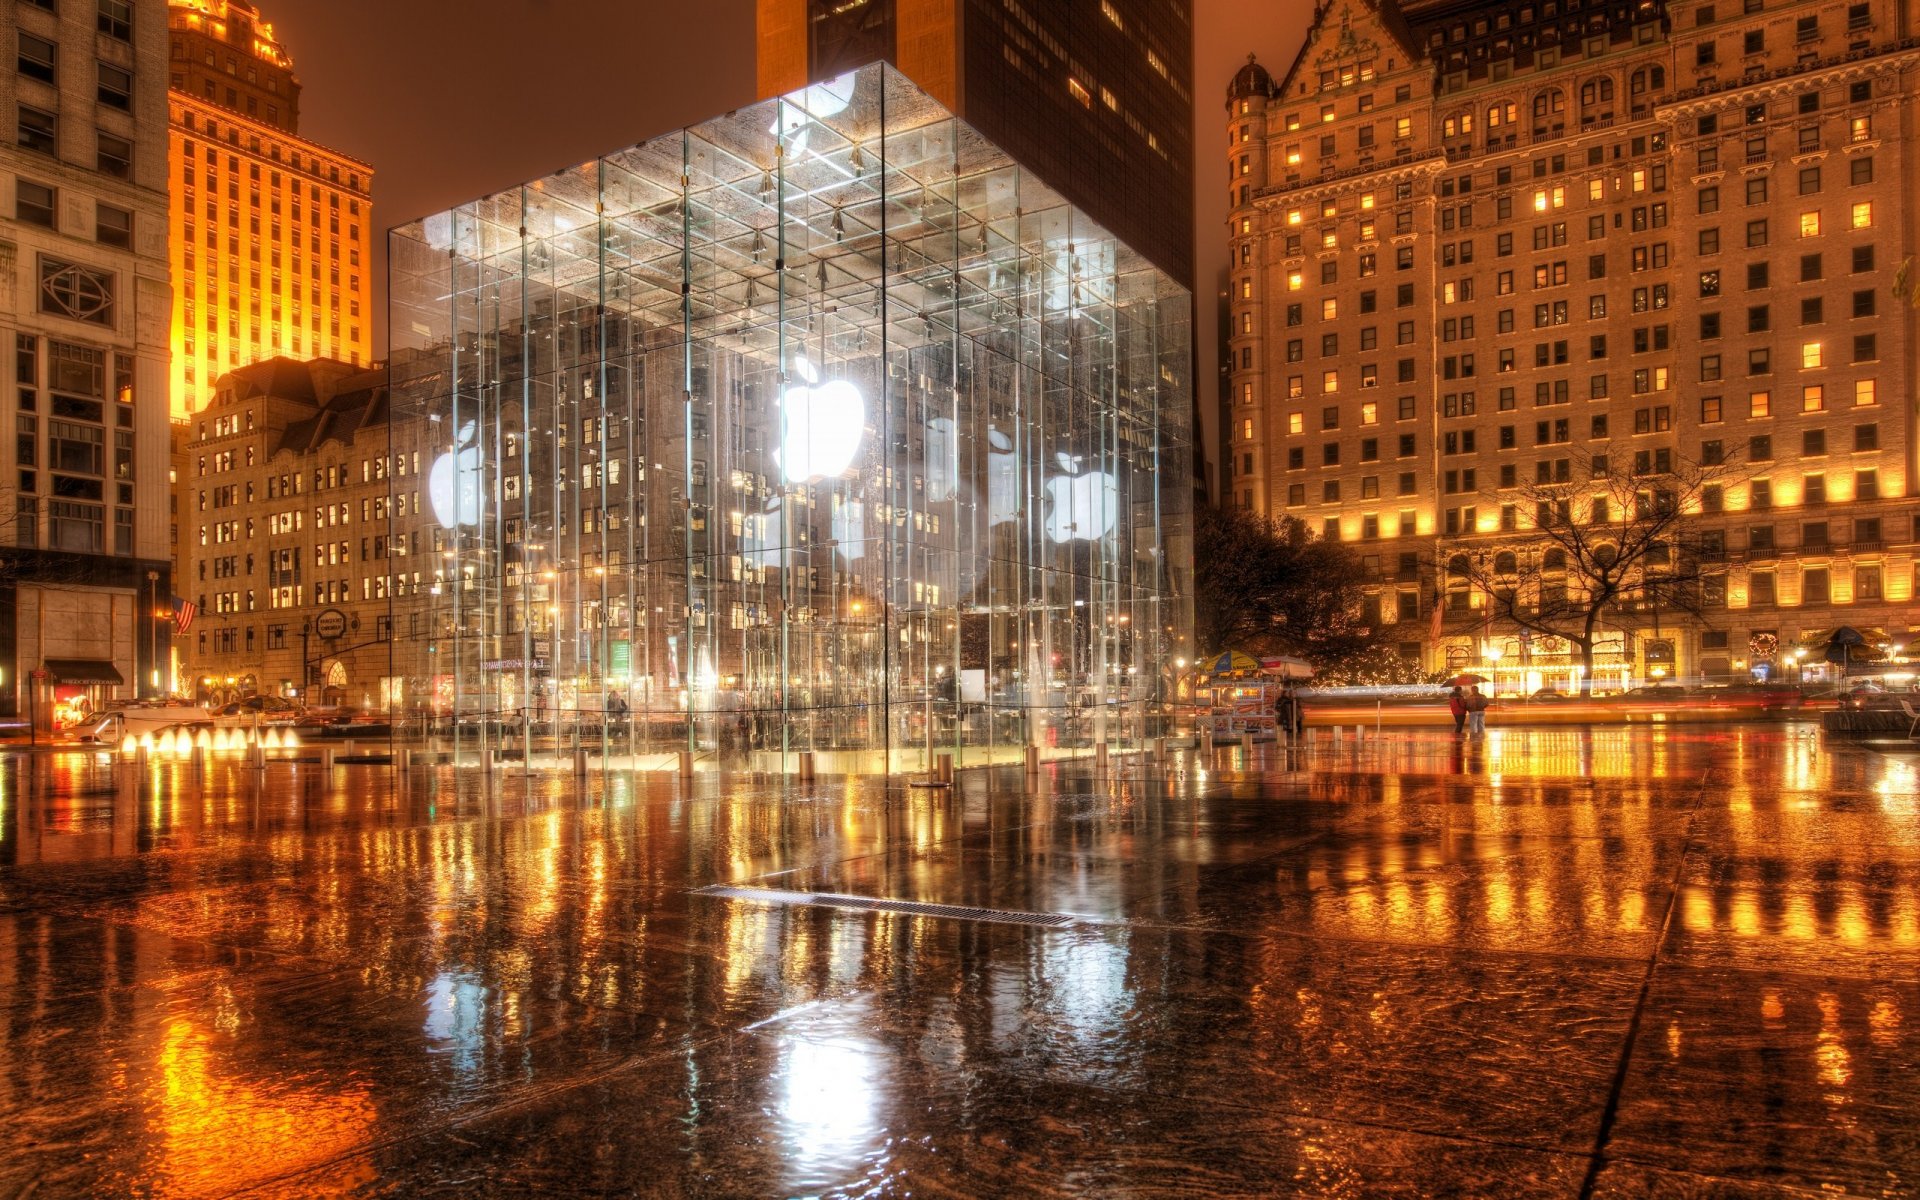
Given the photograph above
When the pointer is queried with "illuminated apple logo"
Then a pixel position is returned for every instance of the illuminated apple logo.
(821, 425)
(798, 112)
(453, 484)
(1083, 506)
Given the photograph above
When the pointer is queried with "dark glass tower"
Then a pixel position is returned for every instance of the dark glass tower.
(1094, 95)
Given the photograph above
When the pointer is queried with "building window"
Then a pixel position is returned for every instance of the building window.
(37, 131)
(116, 19)
(1863, 215)
(114, 156)
(37, 58)
(78, 528)
(33, 204)
(115, 87)
(113, 226)
(80, 293)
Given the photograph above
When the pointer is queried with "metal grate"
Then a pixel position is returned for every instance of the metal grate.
(952, 912)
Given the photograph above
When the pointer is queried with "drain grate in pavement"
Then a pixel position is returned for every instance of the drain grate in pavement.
(952, 912)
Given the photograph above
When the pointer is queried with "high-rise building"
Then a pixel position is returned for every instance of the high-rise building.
(299, 518)
(84, 564)
(271, 233)
(1477, 248)
(1094, 95)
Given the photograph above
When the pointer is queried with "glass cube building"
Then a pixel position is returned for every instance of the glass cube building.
(820, 427)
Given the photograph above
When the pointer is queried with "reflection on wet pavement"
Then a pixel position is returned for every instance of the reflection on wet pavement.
(1556, 963)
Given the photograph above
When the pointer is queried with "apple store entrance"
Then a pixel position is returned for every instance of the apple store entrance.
(821, 427)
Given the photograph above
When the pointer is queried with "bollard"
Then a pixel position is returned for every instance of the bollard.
(1160, 748)
(806, 766)
(257, 756)
(1033, 760)
(348, 751)
(486, 761)
(686, 765)
(943, 767)
(1246, 742)
(326, 758)
(1100, 758)
(580, 760)
(1359, 733)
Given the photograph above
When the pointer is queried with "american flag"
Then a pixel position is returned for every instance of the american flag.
(183, 613)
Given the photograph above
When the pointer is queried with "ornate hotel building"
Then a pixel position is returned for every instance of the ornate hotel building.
(271, 233)
(1477, 246)
(83, 308)
(299, 522)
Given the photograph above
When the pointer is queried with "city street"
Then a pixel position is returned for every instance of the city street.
(1567, 962)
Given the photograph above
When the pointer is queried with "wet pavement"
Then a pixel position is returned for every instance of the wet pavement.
(1562, 963)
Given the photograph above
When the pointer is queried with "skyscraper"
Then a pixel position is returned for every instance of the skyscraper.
(1483, 250)
(271, 232)
(83, 271)
(1094, 95)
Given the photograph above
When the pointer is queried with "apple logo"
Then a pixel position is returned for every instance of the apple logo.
(821, 425)
(1083, 506)
(798, 112)
(453, 484)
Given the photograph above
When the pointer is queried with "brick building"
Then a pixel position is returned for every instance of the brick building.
(1477, 247)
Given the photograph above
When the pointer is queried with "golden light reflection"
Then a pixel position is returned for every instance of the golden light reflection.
(1836, 1065)
(221, 1132)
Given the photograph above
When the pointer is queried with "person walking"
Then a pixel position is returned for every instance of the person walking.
(1290, 718)
(1477, 712)
(1457, 705)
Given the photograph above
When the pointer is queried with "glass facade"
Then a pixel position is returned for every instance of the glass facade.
(822, 426)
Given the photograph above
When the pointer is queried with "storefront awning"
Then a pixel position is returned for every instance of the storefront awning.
(83, 670)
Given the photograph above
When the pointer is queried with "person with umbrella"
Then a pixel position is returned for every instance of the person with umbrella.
(1460, 702)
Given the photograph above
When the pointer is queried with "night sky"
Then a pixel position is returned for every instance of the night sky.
(451, 101)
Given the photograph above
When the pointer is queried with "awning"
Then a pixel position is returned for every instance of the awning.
(83, 670)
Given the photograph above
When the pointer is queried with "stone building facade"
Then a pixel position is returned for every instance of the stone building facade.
(298, 525)
(85, 576)
(271, 233)
(1475, 247)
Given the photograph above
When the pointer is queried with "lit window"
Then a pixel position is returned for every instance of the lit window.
(1861, 128)
(1863, 392)
(1810, 224)
(1369, 413)
(1293, 155)
(1553, 197)
(1246, 429)
(1760, 404)
(1296, 423)
(1813, 398)
(1329, 240)
(1293, 281)
(1403, 128)
(1329, 309)
(1366, 201)
(1293, 216)
(1809, 355)
(1246, 289)
(1326, 113)
(1330, 381)
(1080, 92)
(1863, 214)
(1329, 210)
(1596, 189)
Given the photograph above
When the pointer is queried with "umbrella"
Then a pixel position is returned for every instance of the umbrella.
(1286, 666)
(1467, 680)
(1228, 663)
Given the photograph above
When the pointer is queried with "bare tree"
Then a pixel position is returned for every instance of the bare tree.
(1590, 555)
